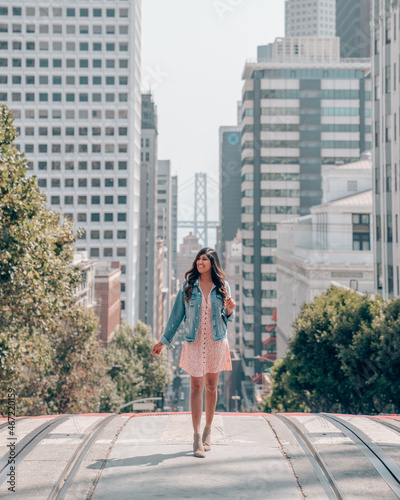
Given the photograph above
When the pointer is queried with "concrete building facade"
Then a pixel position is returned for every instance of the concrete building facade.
(297, 117)
(310, 18)
(386, 156)
(332, 244)
(71, 75)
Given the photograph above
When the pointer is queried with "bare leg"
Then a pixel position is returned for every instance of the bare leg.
(211, 382)
(196, 401)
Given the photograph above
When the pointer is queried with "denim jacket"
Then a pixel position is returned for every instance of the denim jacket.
(190, 312)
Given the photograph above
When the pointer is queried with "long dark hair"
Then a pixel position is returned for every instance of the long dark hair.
(217, 274)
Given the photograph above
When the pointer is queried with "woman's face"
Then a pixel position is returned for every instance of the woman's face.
(203, 264)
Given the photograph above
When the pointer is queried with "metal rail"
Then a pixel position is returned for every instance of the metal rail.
(27, 444)
(327, 480)
(6, 424)
(384, 465)
(67, 476)
(386, 424)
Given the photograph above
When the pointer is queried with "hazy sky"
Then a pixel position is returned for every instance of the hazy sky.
(193, 54)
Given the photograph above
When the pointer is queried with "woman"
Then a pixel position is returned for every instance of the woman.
(205, 305)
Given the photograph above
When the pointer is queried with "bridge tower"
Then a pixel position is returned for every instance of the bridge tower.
(200, 208)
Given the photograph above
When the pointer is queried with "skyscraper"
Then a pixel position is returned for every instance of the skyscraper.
(71, 74)
(296, 118)
(353, 19)
(148, 212)
(229, 184)
(310, 18)
(386, 157)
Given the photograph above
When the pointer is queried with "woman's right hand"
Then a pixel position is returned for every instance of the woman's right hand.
(157, 349)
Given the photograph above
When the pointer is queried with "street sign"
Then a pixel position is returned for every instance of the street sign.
(143, 406)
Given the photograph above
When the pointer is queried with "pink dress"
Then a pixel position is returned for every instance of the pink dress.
(204, 355)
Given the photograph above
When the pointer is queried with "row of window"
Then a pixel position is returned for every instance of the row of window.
(287, 111)
(70, 29)
(272, 176)
(69, 80)
(69, 46)
(264, 276)
(58, 12)
(273, 193)
(264, 243)
(298, 144)
(108, 234)
(83, 200)
(264, 226)
(83, 182)
(70, 131)
(272, 210)
(58, 63)
(295, 127)
(288, 160)
(81, 165)
(70, 148)
(107, 252)
(95, 217)
(58, 97)
(265, 294)
(299, 94)
(249, 259)
(69, 114)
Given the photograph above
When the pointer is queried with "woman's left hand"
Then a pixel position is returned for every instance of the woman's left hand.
(230, 305)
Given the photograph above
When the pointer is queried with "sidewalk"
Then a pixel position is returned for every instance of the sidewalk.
(153, 458)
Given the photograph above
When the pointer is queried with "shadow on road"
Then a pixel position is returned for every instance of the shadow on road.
(148, 460)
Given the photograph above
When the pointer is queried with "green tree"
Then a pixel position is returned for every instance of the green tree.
(135, 371)
(49, 351)
(344, 356)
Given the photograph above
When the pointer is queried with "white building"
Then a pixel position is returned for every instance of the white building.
(386, 151)
(310, 18)
(332, 244)
(71, 74)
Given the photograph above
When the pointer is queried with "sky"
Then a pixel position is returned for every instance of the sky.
(193, 55)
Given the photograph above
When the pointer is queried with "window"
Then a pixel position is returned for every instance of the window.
(121, 252)
(55, 200)
(109, 200)
(55, 165)
(68, 200)
(121, 235)
(96, 12)
(121, 200)
(94, 252)
(82, 183)
(109, 182)
(121, 217)
(84, 12)
(82, 165)
(82, 200)
(122, 182)
(361, 232)
(96, 182)
(108, 234)
(69, 183)
(108, 217)
(95, 235)
(107, 252)
(42, 183)
(96, 200)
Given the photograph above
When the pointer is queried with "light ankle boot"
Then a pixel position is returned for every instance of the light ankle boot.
(198, 449)
(207, 438)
